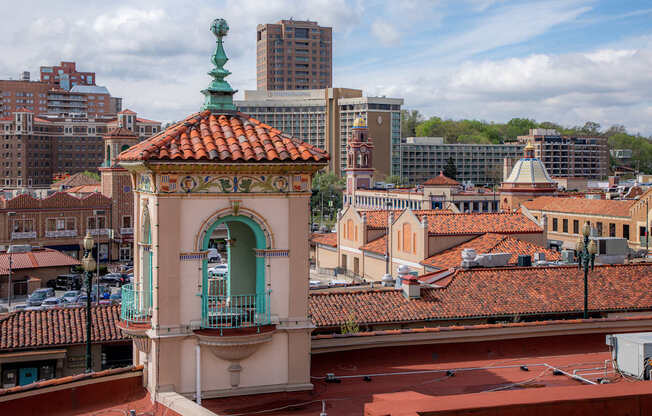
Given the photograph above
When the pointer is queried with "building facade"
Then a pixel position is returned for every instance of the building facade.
(324, 118)
(66, 76)
(423, 158)
(36, 148)
(294, 55)
(577, 156)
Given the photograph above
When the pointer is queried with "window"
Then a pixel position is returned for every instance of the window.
(349, 229)
(59, 224)
(576, 227)
(612, 229)
(101, 221)
(23, 226)
(641, 232)
(598, 225)
(564, 225)
(554, 224)
(626, 231)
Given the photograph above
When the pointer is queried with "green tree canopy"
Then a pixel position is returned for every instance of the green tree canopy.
(450, 170)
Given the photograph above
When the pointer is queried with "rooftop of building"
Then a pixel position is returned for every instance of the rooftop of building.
(228, 137)
(60, 199)
(90, 89)
(441, 180)
(328, 239)
(58, 327)
(76, 179)
(488, 243)
(35, 259)
(377, 218)
(606, 207)
(492, 292)
(433, 370)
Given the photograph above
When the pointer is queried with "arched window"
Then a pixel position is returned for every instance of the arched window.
(349, 229)
(407, 237)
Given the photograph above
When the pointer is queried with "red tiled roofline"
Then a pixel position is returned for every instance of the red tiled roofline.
(481, 326)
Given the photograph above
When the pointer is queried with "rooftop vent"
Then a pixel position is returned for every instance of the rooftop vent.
(471, 259)
(409, 283)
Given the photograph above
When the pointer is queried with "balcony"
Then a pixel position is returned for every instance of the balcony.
(17, 235)
(99, 231)
(235, 311)
(136, 315)
(61, 233)
(126, 231)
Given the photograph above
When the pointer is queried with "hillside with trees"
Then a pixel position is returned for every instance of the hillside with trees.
(483, 132)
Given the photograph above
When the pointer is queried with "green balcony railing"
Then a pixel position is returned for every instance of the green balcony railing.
(136, 304)
(236, 311)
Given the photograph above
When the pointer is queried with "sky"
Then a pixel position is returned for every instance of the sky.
(565, 61)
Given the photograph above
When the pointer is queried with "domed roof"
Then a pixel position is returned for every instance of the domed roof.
(529, 170)
(359, 123)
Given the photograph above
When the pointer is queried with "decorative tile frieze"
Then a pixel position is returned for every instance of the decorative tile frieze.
(195, 255)
(245, 183)
(271, 253)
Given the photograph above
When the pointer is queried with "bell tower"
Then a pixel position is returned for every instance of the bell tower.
(359, 158)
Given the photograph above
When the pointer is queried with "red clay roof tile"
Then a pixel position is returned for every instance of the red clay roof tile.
(488, 243)
(229, 137)
(46, 257)
(610, 207)
(441, 179)
(328, 239)
(59, 326)
(493, 293)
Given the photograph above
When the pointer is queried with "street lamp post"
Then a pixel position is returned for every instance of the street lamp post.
(10, 289)
(88, 264)
(387, 278)
(586, 258)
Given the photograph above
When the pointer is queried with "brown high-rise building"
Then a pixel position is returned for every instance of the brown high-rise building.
(66, 75)
(294, 55)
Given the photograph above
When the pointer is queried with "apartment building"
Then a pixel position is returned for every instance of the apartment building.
(577, 156)
(422, 158)
(294, 55)
(324, 118)
(35, 148)
(66, 76)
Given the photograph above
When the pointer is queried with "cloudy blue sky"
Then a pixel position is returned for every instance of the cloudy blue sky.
(564, 61)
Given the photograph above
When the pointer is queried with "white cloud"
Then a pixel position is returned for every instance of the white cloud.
(386, 34)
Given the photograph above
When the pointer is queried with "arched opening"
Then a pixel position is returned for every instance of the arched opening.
(146, 264)
(108, 154)
(124, 147)
(238, 299)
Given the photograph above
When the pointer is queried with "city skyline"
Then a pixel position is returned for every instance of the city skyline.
(490, 60)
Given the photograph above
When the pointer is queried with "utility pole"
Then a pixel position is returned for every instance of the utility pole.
(11, 239)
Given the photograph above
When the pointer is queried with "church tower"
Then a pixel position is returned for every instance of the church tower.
(359, 158)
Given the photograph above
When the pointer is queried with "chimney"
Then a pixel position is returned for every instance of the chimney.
(409, 283)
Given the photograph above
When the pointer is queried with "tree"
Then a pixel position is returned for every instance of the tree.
(326, 187)
(92, 175)
(450, 170)
(409, 122)
(350, 326)
(591, 128)
(433, 127)
(395, 179)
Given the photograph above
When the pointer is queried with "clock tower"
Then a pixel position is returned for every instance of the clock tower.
(359, 155)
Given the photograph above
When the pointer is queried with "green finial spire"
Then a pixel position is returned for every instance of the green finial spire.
(219, 94)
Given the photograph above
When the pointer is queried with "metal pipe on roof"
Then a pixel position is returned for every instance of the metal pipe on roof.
(573, 376)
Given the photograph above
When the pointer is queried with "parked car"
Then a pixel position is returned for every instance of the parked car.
(336, 283)
(115, 279)
(116, 298)
(39, 295)
(214, 256)
(71, 296)
(315, 283)
(82, 299)
(69, 282)
(221, 270)
(52, 302)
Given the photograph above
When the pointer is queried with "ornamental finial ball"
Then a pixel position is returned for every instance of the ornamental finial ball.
(219, 27)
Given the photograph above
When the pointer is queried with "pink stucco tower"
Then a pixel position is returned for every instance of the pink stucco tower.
(359, 158)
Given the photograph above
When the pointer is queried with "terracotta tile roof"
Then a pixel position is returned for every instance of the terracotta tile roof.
(609, 207)
(84, 189)
(232, 137)
(480, 223)
(441, 179)
(488, 243)
(76, 179)
(144, 120)
(69, 379)
(120, 132)
(126, 111)
(377, 246)
(59, 326)
(377, 218)
(328, 239)
(493, 293)
(46, 257)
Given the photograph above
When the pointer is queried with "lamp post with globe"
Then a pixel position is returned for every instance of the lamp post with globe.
(586, 251)
(88, 264)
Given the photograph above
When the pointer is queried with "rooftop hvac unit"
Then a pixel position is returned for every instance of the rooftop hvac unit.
(632, 353)
(539, 257)
(493, 259)
(524, 260)
(568, 256)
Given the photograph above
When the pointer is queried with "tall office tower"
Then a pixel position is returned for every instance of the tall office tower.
(294, 55)
(65, 75)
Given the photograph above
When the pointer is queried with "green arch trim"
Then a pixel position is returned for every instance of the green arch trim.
(261, 242)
